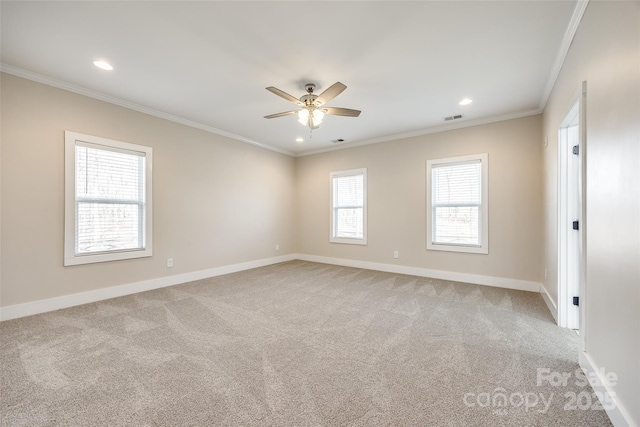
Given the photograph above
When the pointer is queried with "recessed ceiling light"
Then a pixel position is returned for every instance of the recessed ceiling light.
(103, 65)
(299, 139)
(466, 101)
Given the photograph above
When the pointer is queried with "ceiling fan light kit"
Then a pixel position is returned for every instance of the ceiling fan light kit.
(311, 112)
(310, 117)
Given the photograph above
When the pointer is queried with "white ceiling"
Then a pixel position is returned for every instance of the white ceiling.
(207, 63)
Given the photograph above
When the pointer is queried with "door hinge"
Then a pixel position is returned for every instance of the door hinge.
(576, 225)
(576, 149)
(576, 301)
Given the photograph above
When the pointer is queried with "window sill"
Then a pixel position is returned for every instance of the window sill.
(348, 241)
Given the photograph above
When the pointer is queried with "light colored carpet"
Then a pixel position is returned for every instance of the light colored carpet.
(296, 343)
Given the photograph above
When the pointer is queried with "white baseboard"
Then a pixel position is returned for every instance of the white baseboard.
(499, 282)
(551, 304)
(618, 415)
(51, 304)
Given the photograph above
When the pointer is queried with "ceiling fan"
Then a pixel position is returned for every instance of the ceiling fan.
(313, 110)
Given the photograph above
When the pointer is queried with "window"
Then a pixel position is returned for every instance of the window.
(107, 200)
(457, 208)
(349, 207)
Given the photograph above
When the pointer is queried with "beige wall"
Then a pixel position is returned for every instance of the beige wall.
(216, 201)
(396, 174)
(605, 53)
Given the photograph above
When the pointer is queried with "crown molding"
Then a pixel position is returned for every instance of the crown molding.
(569, 34)
(39, 78)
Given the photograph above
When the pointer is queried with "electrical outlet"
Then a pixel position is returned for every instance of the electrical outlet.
(396, 255)
(545, 273)
(277, 247)
(169, 262)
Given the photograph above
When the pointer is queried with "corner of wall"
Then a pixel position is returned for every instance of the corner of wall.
(551, 303)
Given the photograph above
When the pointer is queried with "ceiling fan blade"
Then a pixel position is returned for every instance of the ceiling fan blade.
(330, 93)
(286, 113)
(341, 111)
(284, 95)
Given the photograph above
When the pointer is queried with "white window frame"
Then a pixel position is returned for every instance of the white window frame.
(72, 139)
(483, 248)
(332, 208)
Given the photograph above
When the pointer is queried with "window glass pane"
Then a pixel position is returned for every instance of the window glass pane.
(349, 190)
(457, 225)
(110, 199)
(108, 227)
(349, 223)
(457, 183)
(102, 174)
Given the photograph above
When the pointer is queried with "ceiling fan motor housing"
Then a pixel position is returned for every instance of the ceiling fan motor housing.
(309, 99)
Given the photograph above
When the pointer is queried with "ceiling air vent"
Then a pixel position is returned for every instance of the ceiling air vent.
(459, 116)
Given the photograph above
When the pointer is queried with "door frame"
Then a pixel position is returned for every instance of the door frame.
(576, 113)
